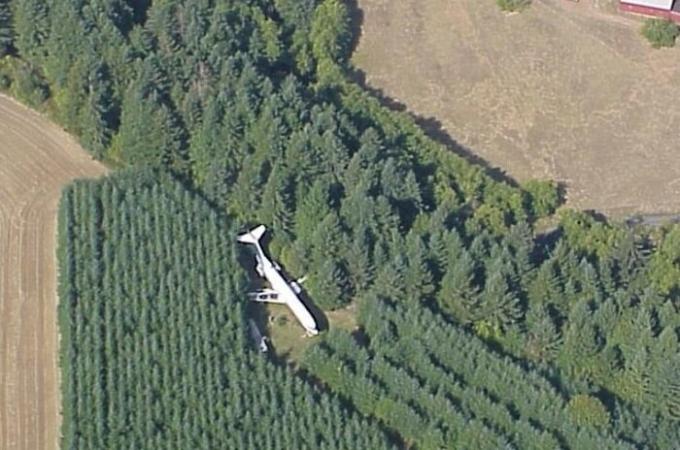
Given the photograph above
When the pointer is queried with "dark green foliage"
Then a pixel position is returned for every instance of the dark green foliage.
(543, 197)
(248, 104)
(28, 86)
(434, 373)
(330, 37)
(330, 33)
(328, 285)
(155, 352)
(95, 114)
(589, 411)
(665, 263)
(660, 32)
(6, 33)
(31, 28)
(542, 336)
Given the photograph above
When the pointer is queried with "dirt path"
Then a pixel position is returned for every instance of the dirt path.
(36, 159)
(561, 91)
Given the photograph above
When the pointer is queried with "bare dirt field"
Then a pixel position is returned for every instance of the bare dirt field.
(36, 159)
(564, 91)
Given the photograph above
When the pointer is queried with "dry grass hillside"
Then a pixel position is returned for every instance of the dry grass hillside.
(564, 90)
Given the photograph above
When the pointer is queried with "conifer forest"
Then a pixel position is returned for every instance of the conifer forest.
(479, 326)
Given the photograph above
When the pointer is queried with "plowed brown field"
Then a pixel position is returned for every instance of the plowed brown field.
(36, 159)
(563, 90)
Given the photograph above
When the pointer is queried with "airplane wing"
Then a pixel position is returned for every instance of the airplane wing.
(265, 296)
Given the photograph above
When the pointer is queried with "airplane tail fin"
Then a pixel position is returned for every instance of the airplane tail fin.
(253, 236)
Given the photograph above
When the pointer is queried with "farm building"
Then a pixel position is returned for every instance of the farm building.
(666, 9)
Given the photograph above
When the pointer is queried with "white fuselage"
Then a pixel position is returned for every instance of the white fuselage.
(286, 293)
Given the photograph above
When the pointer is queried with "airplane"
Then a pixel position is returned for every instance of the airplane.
(281, 291)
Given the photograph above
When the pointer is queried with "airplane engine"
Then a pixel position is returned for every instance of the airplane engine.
(296, 287)
(260, 270)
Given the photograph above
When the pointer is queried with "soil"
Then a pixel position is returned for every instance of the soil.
(37, 159)
(564, 91)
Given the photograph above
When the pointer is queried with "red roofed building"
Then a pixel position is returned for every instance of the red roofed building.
(665, 9)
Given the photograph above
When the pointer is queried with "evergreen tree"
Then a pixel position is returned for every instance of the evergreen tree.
(582, 342)
(665, 386)
(276, 205)
(498, 308)
(543, 286)
(150, 132)
(6, 33)
(458, 294)
(328, 239)
(418, 277)
(359, 265)
(96, 115)
(391, 272)
(543, 339)
(330, 35)
(31, 28)
(328, 285)
(664, 266)
(520, 240)
(313, 205)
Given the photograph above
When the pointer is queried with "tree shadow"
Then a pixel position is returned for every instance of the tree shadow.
(140, 9)
(356, 18)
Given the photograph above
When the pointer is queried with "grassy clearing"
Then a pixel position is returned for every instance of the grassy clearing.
(287, 338)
